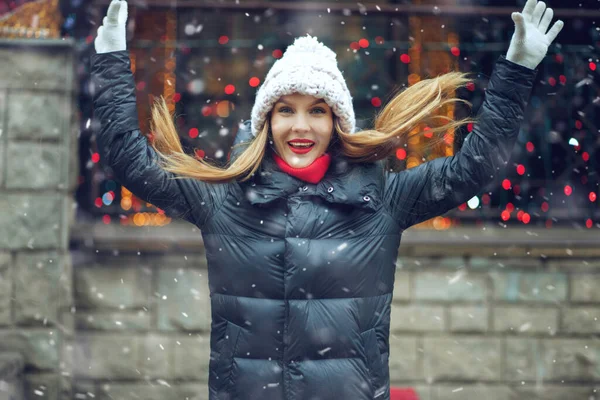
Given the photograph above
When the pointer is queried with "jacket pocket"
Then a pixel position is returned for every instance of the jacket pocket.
(373, 360)
(222, 367)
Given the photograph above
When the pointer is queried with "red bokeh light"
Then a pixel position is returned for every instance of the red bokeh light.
(448, 139)
(277, 53)
(401, 154)
(223, 39)
(428, 133)
(455, 51)
(193, 133)
(520, 169)
(530, 147)
(405, 58)
(506, 184)
(376, 102)
(364, 43)
(254, 81)
(229, 89)
(568, 190)
(95, 157)
(592, 197)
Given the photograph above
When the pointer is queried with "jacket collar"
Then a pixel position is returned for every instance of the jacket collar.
(356, 184)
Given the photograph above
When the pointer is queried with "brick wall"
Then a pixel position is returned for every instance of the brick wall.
(489, 316)
(38, 155)
(515, 328)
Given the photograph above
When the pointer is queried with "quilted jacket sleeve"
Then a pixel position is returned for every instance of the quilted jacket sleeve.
(127, 152)
(437, 186)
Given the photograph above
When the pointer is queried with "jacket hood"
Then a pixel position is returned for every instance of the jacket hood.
(345, 182)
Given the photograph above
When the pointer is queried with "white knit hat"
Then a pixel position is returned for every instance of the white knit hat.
(307, 67)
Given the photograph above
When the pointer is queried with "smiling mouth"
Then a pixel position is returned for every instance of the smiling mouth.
(301, 145)
(301, 149)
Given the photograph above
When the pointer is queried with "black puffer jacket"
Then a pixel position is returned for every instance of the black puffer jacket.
(301, 275)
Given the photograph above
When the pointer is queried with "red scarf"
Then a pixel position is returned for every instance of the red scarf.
(312, 173)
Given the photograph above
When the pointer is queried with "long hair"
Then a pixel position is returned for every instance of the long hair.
(409, 109)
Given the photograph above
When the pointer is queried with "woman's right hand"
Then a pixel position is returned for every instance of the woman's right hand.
(111, 35)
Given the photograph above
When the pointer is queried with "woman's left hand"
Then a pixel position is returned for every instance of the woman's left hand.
(530, 41)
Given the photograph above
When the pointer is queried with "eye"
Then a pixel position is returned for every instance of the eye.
(284, 109)
(320, 110)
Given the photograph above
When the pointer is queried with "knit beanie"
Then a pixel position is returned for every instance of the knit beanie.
(307, 67)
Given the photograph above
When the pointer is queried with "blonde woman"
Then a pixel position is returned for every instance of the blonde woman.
(302, 228)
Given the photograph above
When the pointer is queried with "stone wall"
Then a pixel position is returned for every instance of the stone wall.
(38, 171)
(504, 314)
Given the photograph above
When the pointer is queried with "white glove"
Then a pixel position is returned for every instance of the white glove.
(111, 35)
(530, 41)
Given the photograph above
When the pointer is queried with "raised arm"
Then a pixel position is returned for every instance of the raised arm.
(437, 186)
(127, 152)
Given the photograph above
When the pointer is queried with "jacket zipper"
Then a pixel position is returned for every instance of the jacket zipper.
(286, 371)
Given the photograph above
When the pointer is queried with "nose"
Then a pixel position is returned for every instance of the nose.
(300, 124)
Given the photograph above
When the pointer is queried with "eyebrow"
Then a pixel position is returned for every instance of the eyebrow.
(318, 101)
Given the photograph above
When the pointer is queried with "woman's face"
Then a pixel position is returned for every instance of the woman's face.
(297, 117)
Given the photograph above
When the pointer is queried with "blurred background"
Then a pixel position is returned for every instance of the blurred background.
(103, 296)
(208, 58)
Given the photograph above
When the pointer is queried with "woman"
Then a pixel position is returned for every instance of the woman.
(302, 228)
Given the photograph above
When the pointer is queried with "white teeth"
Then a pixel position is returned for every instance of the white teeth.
(300, 145)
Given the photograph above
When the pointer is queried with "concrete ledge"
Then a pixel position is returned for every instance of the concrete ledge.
(476, 241)
(16, 42)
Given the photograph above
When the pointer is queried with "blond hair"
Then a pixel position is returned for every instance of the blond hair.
(407, 110)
